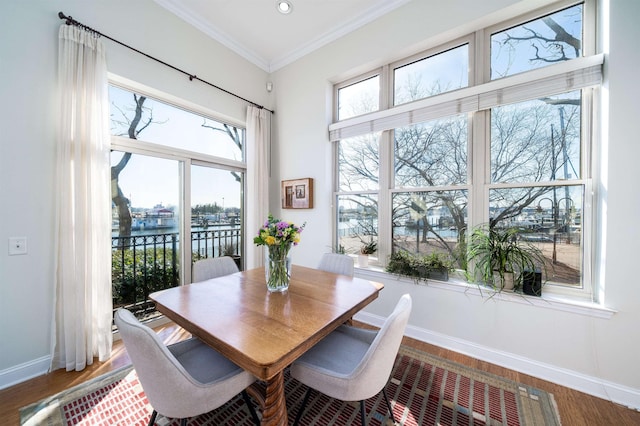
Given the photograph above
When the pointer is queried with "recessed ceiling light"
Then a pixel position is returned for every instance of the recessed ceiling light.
(284, 6)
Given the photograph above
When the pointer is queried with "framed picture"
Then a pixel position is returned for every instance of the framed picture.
(297, 194)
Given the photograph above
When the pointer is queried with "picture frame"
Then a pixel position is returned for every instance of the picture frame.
(297, 193)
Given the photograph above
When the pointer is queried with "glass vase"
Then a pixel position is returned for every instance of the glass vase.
(277, 267)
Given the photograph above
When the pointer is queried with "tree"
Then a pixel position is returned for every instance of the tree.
(234, 134)
(524, 146)
(134, 127)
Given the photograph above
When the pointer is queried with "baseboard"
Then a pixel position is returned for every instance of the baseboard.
(28, 370)
(610, 391)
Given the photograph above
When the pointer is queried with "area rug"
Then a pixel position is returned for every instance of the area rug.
(424, 390)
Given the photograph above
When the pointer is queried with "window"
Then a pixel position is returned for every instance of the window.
(538, 43)
(177, 194)
(358, 180)
(430, 76)
(359, 97)
(510, 149)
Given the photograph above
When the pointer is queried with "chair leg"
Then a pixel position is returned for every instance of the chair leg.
(363, 414)
(388, 405)
(302, 407)
(152, 420)
(251, 408)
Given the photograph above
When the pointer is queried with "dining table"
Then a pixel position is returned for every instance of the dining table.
(264, 332)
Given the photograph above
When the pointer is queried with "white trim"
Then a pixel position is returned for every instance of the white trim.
(374, 12)
(25, 371)
(137, 146)
(611, 391)
(565, 76)
(555, 302)
(39, 366)
(169, 99)
(187, 15)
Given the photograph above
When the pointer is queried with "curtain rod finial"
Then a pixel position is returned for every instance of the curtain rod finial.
(69, 19)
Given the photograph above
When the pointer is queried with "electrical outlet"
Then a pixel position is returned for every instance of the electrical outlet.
(17, 245)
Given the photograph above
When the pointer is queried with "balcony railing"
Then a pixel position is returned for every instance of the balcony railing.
(142, 264)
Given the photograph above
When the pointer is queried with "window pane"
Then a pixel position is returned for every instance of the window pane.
(433, 153)
(551, 219)
(357, 221)
(538, 43)
(170, 126)
(433, 75)
(358, 163)
(216, 213)
(427, 222)
(537, 140)
(145, 228)
(359, 98)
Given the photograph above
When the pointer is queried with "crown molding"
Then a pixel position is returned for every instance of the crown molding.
(374, 12)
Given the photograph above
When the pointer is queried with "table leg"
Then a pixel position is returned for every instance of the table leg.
(275, 407)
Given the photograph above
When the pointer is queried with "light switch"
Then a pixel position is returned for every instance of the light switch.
(17, 245)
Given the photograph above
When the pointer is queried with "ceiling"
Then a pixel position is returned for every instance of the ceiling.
(255, 30)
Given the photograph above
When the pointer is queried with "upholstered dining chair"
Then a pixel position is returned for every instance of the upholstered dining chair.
(212, 267)
(182, 380)
(336, 263)
(353, 364)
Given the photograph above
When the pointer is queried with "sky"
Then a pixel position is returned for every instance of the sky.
(148, 181)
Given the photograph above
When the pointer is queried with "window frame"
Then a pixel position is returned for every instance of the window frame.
(185, 158)
(426, 54)
(479, 162)
(378, 72)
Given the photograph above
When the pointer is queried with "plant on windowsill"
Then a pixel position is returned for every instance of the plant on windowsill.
(500, 259)
(230, 250)
(366, 249)
(434, 266)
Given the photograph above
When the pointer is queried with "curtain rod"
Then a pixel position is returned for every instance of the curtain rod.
(70, 21)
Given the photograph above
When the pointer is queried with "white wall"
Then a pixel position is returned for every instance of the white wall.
(28, 76)
(596, 355)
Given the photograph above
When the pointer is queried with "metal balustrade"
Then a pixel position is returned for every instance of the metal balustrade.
(142, 264)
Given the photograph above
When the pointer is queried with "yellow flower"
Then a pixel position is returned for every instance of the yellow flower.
(270, 240)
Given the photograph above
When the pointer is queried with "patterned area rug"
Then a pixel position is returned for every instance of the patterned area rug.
(424, 390)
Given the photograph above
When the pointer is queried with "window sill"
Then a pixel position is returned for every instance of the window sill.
(547, 300)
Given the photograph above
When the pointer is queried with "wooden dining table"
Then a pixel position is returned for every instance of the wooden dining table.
(265, 332)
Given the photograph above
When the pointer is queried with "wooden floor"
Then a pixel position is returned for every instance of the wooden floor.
(576, 408)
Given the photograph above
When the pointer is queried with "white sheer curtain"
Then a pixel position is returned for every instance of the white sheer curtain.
(258, 142)
(83, 304)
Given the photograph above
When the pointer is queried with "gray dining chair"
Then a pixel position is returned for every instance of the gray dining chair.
(353, 364)
(182, 380)
(212, 267)
(336, 263)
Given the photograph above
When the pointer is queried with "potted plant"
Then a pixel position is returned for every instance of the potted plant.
(230, 250)
(434, 266)
(500, 259)
(365, 250)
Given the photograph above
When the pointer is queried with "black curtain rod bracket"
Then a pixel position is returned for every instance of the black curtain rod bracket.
(70, 21)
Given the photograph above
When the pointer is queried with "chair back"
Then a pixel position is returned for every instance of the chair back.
(336, 263)
(213, 267)
(161, 375)
(372, 374)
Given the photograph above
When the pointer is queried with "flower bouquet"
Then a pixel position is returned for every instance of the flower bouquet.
(278, 236)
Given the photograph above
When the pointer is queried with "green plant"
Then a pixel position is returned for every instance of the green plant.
(369, 248)
(435, 265)
(496, 253)
(229, 249)
(137, 273)
(339, 249)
